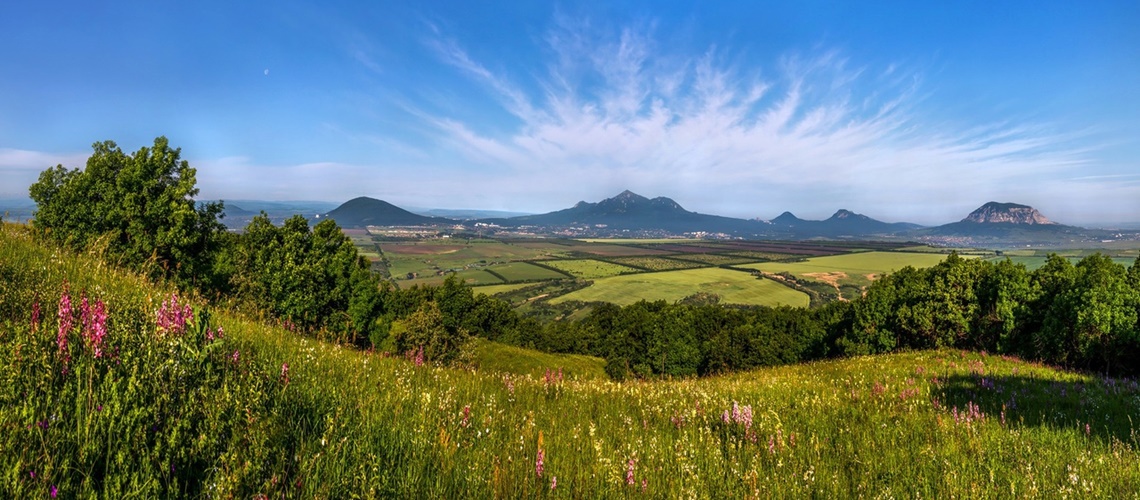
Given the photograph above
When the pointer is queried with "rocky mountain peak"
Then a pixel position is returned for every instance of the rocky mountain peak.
(1010, 213)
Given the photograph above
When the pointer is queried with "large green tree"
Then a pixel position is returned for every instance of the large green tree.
(312, 277)
(139, 208)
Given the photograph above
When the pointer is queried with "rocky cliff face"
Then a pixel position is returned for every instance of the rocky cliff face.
(994, 212)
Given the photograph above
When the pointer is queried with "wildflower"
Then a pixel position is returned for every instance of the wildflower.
(419, 358)
(553, 482)
(771, 445)
(1088, 430)
(94, 320)
(235, 356)
(629, 468)
(285, 373)
(466, 415)
(539, 462)
(32, 473)
(54, 491)
(644, 485)
(172, 317)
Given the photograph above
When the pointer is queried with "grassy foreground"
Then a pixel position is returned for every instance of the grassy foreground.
(168, 412)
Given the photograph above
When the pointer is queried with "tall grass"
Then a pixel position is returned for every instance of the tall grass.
(172, 414)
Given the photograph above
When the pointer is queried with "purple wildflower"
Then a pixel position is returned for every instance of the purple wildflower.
(173, 317)
(539, 462)
(54, 491)
(94, 320)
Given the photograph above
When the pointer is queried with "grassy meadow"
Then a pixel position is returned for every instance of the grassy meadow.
(175, 403)
(734, 287)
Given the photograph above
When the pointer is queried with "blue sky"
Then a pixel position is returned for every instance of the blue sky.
(916, 111)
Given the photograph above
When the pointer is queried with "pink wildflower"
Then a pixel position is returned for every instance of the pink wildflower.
(539, 462)
(285, 373)
(235, 356)
(644, 485)
(629, 469)
(1088, 430)
(173, 317)
(466, 416)
(553, 482)
(94, 320)
(419, 358)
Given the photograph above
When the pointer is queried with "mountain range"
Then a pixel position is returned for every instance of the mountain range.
(632, 214)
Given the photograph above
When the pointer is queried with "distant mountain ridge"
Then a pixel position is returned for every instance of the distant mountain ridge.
(998, 223)
(631, 213)
(842, 223)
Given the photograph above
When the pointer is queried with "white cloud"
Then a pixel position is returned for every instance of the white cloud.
(20, 168)
(612, 111)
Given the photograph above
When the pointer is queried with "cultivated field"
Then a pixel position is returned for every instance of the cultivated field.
(589, 268)
(523, 271)
(854, 269)
(734, 287)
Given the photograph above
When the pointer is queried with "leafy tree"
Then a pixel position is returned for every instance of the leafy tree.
(311, 277)
(139, 207)
(426, 329)
(1004, 293)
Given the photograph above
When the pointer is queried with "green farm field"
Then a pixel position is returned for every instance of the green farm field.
(523, 271)
(589, 268)
(497, 289)
(470, 277)
(426, 258)
(734, 287)
(857, 269)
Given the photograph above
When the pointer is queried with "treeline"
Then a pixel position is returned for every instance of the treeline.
(1082, 316)
(139, 211)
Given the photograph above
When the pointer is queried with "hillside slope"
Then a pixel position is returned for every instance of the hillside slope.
(259, 410)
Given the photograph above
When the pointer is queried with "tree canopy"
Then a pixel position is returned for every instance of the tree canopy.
(139, 207)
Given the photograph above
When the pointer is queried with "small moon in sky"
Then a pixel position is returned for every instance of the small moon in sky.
(266, 71)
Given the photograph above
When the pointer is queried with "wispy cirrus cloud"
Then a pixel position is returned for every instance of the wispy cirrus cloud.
(614, 110)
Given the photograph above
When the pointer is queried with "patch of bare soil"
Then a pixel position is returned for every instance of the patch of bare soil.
(831, 278)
